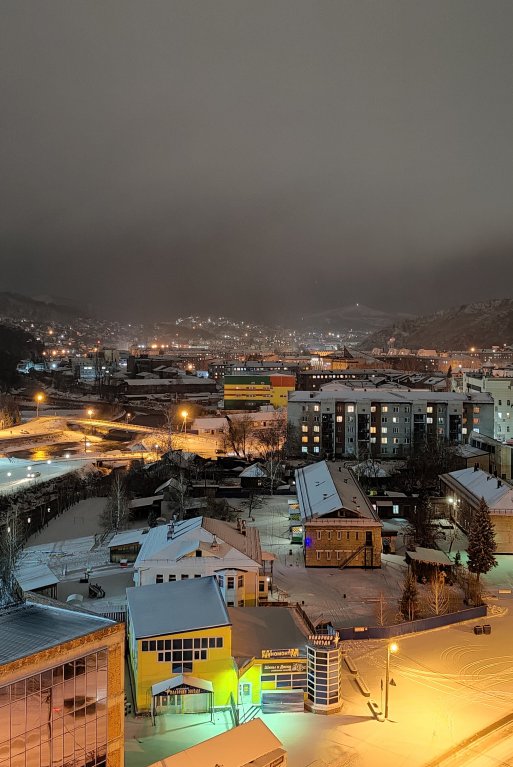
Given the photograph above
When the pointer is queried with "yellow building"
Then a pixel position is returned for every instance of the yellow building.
(248, 392)
(184, 658)
(61, 687)
(179, 638)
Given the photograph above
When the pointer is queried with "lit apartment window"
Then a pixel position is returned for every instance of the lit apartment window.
(304, 439)
(316, 439)
(350, 408)
(384, 440)
(373, 430)
(429, 420)
(316, 449)
(478, 410)
(385, 408)
(316, 408)
(339, 419)
(373, 408)
(395, 420)
(384, 429)
(475, 420)
(304, 427)
(304, 449)
(396, 440)
(316, 428)
(429, 409)
(373, 440)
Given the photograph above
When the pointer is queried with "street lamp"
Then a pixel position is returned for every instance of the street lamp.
(39, 399)
(90, 413)
(184, 415)
(391, 649)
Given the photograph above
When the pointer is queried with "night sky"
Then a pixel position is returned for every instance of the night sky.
(262, 159)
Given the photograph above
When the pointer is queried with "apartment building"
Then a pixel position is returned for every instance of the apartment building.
(338, 422)
(499, 384)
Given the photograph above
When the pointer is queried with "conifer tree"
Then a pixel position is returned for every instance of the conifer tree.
(481, 542)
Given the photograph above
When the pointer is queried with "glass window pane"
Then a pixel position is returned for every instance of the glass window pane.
(17, 717)
(91, 662)
(56, 745)
(101, 731)
(18, 690)
(101, 683)
(33, 711)
(102, 659)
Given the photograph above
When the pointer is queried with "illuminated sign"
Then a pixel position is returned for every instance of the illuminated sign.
(185, 690)
(323, 640)
(284, 668)
(293, 652)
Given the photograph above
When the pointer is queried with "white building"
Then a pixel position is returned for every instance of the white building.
(500, 385)
(195, 548)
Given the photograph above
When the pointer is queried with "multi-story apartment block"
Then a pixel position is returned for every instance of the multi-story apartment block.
(339, 422)
(500, 386)
(249, 392)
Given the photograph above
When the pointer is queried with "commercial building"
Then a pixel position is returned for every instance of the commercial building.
(464, 490)
(250, 745)
(200, 547)
(337, 422)
(341, 527)
(189, 653)
(499, 384)
(249, 392)
(61, 687)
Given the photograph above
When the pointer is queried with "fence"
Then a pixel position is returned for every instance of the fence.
(411, 627)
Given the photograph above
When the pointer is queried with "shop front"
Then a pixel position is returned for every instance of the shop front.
(182, 694)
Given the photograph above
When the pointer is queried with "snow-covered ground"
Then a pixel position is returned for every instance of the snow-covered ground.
(18, 474)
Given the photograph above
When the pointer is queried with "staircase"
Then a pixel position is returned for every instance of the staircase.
(355, 553)
(249, 714)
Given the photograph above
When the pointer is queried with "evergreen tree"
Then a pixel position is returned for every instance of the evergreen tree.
(481, 542)
(409, 602)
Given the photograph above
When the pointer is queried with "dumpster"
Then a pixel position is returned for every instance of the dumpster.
(478, 629)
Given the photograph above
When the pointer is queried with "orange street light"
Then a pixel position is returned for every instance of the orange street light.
(184, 415)
(391, 649)
(39, 399)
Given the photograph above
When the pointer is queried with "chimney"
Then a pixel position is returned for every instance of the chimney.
(170, 530)
(214, 544)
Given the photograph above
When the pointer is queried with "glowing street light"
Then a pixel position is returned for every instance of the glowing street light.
(90, 413)
(184, 415)
(391, 649)
(39, 399)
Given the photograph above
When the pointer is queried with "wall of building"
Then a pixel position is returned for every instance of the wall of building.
(328, 543)
(62, 712)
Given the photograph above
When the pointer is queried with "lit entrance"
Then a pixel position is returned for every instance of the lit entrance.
(182, 694)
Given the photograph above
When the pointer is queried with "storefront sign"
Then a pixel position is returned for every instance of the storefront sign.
(184, 691)
(323, 640)
(297, 667)
(293, 652)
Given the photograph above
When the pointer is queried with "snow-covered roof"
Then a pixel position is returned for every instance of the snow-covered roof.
(323, 488)
(497, 493)
(430, 556)
(255, 470)
(34, 575)
(126, 538)
(189, 534)
(396, 396)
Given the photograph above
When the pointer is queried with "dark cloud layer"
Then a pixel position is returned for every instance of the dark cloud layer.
(261, 158)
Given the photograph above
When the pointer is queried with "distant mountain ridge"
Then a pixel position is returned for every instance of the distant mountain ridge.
(357, 317)
(481, 324)
(14, 306)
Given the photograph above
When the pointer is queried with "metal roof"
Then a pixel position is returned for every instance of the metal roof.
(429, 556)
(323, 488)
(263, 628)
(177, 607)
(396, 396)
(497, 493)
(34, 575)
(29, 628)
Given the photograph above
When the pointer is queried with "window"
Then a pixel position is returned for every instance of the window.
(429, 420)
(350, 408)
(384, 429)
(384, 440)
(373, 408)
(220, 578)
(197, 576)
(159, 578)
(347, 535)
(240, 581)
(230, 582)
(429, 408)
(304, 427)
(339, 419)
(396, 440)
(316, 408)
(384, 409)
(339, 535)
(395, 419)
(171, 577)
(316, 449)
(318, 555)
(373, 430)
(316, 439)
(329, 535)
(339, 554)
(219, 642)
(328, 555)
(384, 419)
(304, 449)
(319, 535)
(395, 409)
(395, 430)
(316, 428)
(184, 576)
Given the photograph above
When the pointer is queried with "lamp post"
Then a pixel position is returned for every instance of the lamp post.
(90, 413)
(184, 415)
(39, 399)
(391, 649)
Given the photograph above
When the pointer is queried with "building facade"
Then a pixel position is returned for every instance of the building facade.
(383, 423)
(61, 688)
(500, 387)
(341, 527)
(249, 392)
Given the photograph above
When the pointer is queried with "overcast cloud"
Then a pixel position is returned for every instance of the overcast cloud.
(257, 158)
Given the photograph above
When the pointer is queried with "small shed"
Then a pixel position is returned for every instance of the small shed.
(425, 563)
(254, 477)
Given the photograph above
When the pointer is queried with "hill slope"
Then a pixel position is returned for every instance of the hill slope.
(481, 324)
(14, 306)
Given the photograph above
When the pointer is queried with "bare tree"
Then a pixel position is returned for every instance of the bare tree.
(253, 502)
(177, 493)
(438, 596)
(237, 434)
(382, 610)
(270, 444)
(116, 514)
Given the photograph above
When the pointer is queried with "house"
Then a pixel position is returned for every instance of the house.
(464, 490)
(341, 527)
(201, 547)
